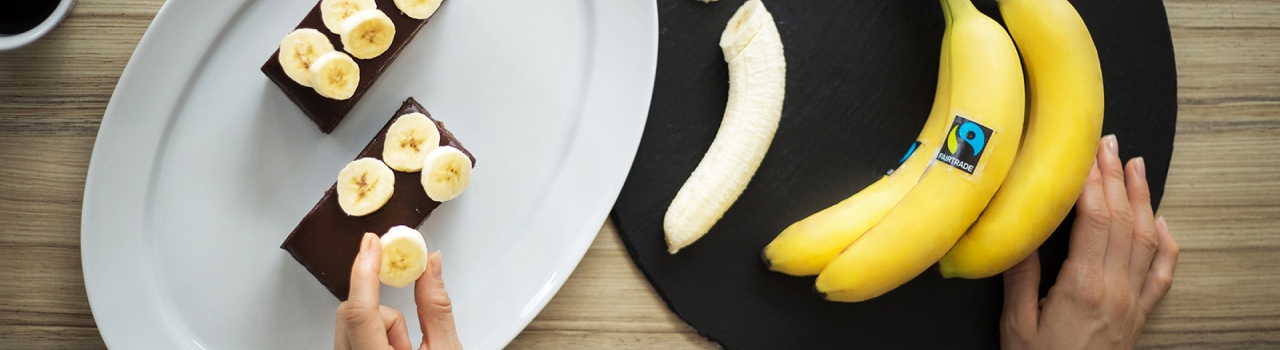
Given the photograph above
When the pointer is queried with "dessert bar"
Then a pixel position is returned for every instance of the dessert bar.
(327, 112)
(327, 239)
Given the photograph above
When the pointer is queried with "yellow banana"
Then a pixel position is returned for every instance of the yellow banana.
(987, 100)
(1061, 140)
(805, 247)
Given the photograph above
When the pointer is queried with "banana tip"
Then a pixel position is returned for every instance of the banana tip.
(821, 294)
(946, 270)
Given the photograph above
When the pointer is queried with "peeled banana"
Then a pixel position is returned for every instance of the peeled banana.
(364, 186)
(1061, 140)
(987, 101)
(805, 247)
(404, 256)
(757, 85)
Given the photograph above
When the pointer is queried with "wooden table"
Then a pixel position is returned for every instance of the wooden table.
(1222, 199)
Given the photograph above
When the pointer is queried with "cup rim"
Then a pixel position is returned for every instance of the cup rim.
(10, 42)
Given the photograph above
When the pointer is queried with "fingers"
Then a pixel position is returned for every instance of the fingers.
(1120, 237)
(1160, 277)
(1089, 232)
(1021, 296)
(435, 310)
(1144, 230)
(364, 273)
(360, 313)
(340, 341)
(397, 331)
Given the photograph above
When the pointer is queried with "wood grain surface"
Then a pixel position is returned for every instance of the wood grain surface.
(1222, 199)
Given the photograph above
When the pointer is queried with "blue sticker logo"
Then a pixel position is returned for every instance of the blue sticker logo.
(965, 144)
(910, 151)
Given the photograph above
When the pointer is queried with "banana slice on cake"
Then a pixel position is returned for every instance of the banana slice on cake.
(418, 9)
(408, 142)
(404, 256)
(333, 12)
(299, 50)
(335, 75)
(367, 34)
(446, 173)
(364, 186)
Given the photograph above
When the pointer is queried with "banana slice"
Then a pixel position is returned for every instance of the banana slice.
(446, 173)
(335, 75)
(364, 185)
(418, 9)
(404, 256)
(333, 12)
(367, 34)
(408, 142)
(299, 50)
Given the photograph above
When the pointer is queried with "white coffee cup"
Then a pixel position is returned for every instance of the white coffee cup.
(10, 42)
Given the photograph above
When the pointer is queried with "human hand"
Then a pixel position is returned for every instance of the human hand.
(362, 323)
(1119, 267)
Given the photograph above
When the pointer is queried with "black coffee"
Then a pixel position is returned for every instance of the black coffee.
(19, 16)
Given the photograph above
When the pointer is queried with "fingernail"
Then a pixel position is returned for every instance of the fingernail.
(364, 242)
(1161, 223)
(1140, 166)
(1111, 144)
(436, 269)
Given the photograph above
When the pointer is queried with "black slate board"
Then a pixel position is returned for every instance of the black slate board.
(860, 81)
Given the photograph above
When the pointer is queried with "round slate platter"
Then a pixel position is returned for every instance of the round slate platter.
(860, 80)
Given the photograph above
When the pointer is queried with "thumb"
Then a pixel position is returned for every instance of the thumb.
(435, 310)
(364, 273)
(360, 313)
(1022, 296)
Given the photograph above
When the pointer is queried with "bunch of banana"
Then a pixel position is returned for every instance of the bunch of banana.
(805, 247)
(757, 85)
(309, 58)
(987, 100)
(1060, 143)
(964, 201)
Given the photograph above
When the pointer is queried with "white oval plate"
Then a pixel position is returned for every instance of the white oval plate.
(202, 167)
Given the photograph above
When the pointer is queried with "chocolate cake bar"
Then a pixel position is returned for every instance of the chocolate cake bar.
(327, 112)
(327, 239)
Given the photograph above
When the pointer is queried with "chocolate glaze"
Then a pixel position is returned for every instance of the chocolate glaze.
(327, 112)
(327, 239)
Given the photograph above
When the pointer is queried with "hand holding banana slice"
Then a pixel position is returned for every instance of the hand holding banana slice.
(757, 85)
(364, 186)
(334, 12)
(367, 34)
(404, 256)
(408, 142)
(299, 50)
(446, 173)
